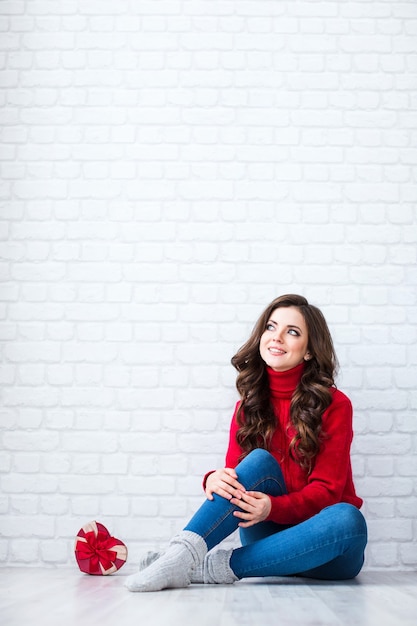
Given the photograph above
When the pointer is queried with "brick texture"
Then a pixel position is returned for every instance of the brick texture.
(168, 167)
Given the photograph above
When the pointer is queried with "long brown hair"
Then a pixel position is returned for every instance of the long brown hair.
(311, 398)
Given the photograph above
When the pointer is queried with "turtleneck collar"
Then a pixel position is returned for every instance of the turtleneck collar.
(283, 384)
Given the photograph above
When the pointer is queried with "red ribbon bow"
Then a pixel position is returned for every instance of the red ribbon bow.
(97, 552)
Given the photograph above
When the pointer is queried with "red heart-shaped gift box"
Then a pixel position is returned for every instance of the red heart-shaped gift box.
(97, 552)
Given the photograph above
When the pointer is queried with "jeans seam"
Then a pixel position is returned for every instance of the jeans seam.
(274, 479)
(220, 521)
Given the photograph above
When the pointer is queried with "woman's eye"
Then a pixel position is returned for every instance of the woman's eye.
(270, 327)
(294, 332)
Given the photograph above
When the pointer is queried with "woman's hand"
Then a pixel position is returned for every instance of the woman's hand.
(255, 507)
(224, 483)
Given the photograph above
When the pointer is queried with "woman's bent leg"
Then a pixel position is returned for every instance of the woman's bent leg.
(211, 524)
(214, 520)
(329, 545)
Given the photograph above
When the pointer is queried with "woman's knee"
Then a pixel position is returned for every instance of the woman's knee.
(260, 461)
(260, 471)
(349, 517)
(259, 456)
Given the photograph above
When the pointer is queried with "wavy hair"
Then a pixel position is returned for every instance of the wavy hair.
(311, 398)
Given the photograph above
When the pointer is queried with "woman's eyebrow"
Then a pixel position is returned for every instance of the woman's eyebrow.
(271, 321)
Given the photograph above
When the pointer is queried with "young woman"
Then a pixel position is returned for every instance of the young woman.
(287, 484)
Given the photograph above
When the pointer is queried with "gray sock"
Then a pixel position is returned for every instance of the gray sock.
(148, 558)
(151, 556)
(215, 569)
(173, 569)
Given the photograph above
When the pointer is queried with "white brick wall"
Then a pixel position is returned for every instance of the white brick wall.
(168, 167)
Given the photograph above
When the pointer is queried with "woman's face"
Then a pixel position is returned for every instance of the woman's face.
(283, 344)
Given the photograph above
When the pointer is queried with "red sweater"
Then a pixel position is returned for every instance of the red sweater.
(331, 480)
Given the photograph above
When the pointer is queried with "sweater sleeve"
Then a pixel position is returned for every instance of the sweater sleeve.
(331, 476)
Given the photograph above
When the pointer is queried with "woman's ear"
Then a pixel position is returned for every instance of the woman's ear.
(307, 356)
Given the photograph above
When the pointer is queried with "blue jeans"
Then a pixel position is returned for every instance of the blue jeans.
(329, 545)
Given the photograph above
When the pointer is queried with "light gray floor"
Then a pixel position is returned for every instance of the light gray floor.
(69, 598)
